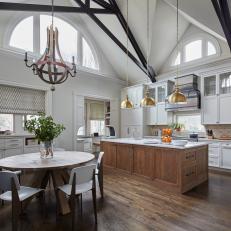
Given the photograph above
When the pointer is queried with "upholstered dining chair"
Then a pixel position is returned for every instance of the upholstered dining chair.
(16, 194)
(82, 180)
(99, 172)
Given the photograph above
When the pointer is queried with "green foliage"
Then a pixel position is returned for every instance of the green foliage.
(177, 126)
(44, 128)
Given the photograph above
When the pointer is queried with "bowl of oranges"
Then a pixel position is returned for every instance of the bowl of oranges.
(166, 135)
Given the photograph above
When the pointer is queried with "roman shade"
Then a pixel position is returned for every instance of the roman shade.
(96, 111)
(17, 100)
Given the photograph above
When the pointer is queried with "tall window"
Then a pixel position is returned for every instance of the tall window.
(195, 50)
(25, 37)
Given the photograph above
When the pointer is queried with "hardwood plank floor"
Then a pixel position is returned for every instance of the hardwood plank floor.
(132, 204)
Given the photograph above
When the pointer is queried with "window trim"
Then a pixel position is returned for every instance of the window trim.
(36, 38)
(205, 39)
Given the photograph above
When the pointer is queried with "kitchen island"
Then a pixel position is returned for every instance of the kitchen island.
(170, 167)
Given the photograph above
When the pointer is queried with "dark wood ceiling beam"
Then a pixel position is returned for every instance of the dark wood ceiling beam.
(112, 36)
(151, 72)
(48, 8)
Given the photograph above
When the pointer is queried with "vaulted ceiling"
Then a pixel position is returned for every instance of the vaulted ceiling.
(162, 29)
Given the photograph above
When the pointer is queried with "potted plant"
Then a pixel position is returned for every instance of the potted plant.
(177, 126)
(45, 130)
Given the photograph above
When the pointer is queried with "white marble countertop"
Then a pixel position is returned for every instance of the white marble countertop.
(156, 143)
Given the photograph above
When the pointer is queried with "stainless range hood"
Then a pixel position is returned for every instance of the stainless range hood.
(189, 87)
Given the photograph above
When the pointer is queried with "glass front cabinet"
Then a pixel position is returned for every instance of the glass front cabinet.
(216, 98)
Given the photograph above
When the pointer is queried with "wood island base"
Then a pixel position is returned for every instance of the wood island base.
(174, 169)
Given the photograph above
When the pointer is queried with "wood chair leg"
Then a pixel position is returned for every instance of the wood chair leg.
(44, 213)
(94, 203)
(15, 217)
(81, 204)
(2, 200)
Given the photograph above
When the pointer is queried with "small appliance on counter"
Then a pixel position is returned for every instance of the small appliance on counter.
(193, 137)
(110, 132)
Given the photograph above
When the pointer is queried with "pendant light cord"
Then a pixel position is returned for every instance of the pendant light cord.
(127, 43)
(177, 38)
(52, 13)
(147, 37)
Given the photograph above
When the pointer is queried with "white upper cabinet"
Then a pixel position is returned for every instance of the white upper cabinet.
(150, 115)
(216, 99)
(135, 94)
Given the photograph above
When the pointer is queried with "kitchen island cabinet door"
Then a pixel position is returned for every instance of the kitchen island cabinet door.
(143, 162)
(109, 154)
(167, 166)
(124, 156)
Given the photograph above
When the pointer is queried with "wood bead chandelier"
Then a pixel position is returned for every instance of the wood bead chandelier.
(51, 67)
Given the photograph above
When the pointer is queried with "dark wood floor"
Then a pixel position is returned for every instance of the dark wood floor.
(134, 205)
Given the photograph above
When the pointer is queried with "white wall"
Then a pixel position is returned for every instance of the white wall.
(14, 71)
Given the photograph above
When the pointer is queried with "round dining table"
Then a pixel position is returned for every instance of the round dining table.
(55, 168)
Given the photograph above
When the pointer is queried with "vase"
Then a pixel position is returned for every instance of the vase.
(46, 149)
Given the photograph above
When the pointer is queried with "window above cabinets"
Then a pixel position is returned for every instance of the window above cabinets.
(198, 48)
(30, 34)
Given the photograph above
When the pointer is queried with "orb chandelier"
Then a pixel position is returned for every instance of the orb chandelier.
(51, 67)
(147, 101)
(126, 103)
(177, 97)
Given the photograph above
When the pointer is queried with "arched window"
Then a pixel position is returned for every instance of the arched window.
(22, 35)
(195, 50)
(30, 34)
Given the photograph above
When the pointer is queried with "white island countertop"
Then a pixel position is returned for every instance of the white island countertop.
(154, 143)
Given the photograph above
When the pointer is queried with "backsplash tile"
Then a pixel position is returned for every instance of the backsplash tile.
(220, 131)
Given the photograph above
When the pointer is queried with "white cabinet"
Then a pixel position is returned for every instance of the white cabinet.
(210, 110)
(214, 155)
(225, 161)
(216, 99)
(135, 94)
(132, 116)
(225, 111)
(11, 147)
(150, 115)
(163, 117)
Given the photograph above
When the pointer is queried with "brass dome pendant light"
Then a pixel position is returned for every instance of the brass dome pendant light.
(126, 103)
(147, 101)
(177, 97)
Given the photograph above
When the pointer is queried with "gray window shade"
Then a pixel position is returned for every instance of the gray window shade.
(18, 100)
(96, 111)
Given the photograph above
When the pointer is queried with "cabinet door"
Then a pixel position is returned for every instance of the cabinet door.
(226, 156)
(162, 115)
(109, 154)
(210, 85)
(125, 131)
(210, 110)
(224, 112)
(1, 154)
(166, 166)
(150, 115)
(143, 161)
(161, 94)
(124, 154)
(225, 83)
(132, 116)
(13, 152)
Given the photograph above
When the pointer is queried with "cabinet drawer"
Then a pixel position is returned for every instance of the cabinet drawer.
(31, 150)
(189, 174)
(1, 154)
(214, 161)
(189, 156)
(13, 152)
(13, 143)
(214, 152)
